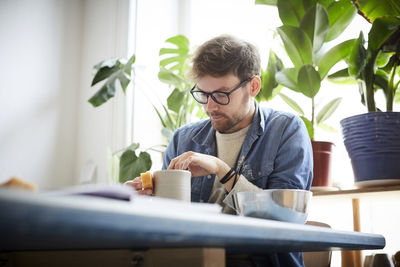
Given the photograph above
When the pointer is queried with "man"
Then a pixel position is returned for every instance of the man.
(241, 147)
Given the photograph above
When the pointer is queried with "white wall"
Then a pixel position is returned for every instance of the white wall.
(157, 20)
(105, 34)
(39, 54)
(48, 130)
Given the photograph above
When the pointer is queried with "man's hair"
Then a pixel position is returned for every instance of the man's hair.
(224, 55)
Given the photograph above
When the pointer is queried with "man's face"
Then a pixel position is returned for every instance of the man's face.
(238, 113)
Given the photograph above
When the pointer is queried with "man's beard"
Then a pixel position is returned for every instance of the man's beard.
(229, 123)
(224, 125)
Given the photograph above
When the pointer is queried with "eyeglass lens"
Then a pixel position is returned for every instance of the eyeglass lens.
(218, 97)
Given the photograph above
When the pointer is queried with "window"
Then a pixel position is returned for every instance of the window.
(201, 20)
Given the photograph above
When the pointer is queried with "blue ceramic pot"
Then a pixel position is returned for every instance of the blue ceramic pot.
(372, 141)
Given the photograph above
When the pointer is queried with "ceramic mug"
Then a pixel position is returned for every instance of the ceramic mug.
(174, 184)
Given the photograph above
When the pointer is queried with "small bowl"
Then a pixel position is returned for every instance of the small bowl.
(288, 205)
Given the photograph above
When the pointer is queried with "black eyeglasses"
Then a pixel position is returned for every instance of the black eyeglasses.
(219, 97)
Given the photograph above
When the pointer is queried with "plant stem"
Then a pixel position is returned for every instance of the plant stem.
(391, 91)
(369, 81)
(312, 113)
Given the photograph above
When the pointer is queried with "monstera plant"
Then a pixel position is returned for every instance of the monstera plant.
(181, 107)
(177, 111)
(114, 73)
(308, 32)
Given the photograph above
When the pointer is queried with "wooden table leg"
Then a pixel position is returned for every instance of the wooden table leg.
(353, 257)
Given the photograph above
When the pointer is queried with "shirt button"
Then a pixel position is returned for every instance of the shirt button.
(209, 176)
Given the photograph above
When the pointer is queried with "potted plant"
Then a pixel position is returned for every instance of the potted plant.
(307, 30)
(181, 107)
(372, 139)
(178, 111)
(113, 72)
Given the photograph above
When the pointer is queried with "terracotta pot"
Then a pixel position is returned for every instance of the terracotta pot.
(322, 152)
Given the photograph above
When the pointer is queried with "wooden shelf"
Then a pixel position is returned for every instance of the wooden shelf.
(361, 192)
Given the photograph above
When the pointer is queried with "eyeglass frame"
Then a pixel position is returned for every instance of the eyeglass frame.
(241, 84)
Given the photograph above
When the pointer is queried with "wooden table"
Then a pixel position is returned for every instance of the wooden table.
(33, 222)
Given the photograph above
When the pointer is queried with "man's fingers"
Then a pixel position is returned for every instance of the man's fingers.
(181, 162)
(187, 163)
(146, 192)
(135, 183)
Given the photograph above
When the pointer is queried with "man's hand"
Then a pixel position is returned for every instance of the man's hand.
(137, 185)
(199, 164)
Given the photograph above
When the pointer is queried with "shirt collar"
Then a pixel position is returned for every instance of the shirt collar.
(206, 135)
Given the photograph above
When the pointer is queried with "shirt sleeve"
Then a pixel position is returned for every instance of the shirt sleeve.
(293, 165)
(171, 151)
(241, 185)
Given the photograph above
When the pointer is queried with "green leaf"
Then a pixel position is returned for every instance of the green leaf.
(128, 66)
(328, 110)
(327, 128)
(169, 77)
(357, 57)
(171, 122)
(343, 73)
(333, 56)
(316, 24)
(124, 81)
(309, 126)
(307, 4)
(111, 62)
(107, 90)
(266, 2)
(288, 78)
(297, 44)
(131, 166)
(397, 96)
(269, 85)
(175, 100)
(386, 61)
(381, 80)
(341, 14)
(105, 72)
(163, 122)
(326, 3)
(180, 41)
(133, 146)
(373, 9)
(392, 44)
(176, 58)
(308, 81)
(201, 113)
(342, 77)
(291, 11)
(381, 30)
(292, 103)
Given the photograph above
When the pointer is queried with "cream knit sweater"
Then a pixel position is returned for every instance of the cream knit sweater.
(228, 149)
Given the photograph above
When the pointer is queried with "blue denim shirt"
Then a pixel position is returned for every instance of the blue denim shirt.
(276, 152)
